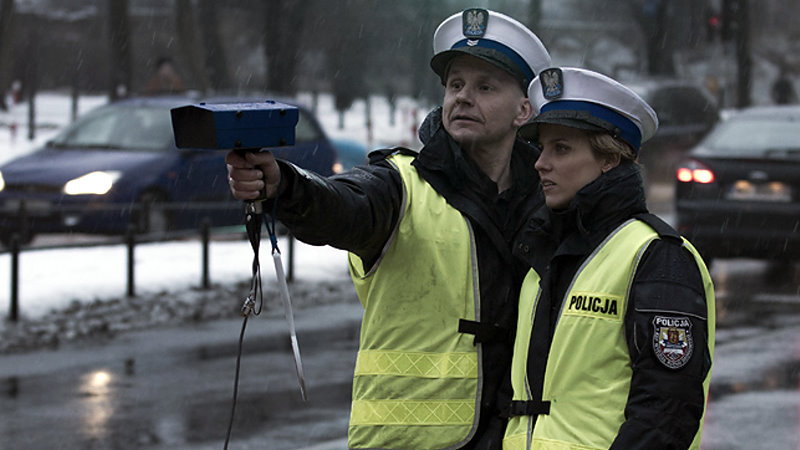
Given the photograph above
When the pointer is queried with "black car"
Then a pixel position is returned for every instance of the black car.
(117, 166)
(686, 113)
(738, 192)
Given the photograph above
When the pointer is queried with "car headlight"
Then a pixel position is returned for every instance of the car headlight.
(92, 183)
(2, 182)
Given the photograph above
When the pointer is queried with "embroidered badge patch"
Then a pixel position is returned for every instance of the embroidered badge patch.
(672, 340)
(474, 22)
(552, 83)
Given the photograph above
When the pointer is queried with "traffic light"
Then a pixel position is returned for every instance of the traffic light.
(713, 25)
(731, 12)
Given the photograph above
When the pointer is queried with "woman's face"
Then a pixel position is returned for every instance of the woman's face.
(567, 163)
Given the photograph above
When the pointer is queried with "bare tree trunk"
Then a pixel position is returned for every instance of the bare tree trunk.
(6, 48)
(75, 88)
(216, 61)
(654, 18)
(744, 62)
(345, 58)
(284, 25)
(31, 80)
(423, 19)
(190, 42)
(121, 65)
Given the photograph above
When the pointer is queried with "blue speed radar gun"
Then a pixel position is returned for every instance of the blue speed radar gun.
(230, 126)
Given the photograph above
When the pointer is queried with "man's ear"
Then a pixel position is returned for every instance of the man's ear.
(524, 114)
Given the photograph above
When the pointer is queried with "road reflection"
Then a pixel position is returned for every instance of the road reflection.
(97, 407)
(754, 398)
(754, 293)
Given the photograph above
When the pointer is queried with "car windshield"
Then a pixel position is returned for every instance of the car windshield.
(119, 127)
(754, 137)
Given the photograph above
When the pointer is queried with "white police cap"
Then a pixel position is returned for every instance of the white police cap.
(589, 100)
(493, 37)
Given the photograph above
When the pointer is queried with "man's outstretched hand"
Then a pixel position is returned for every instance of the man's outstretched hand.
(250, 172)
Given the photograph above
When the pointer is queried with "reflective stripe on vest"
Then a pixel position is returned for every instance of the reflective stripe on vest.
(588, 389)
(417, 379)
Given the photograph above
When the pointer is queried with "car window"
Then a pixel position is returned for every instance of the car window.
(305, 130)
(753, 137)
(120, 128)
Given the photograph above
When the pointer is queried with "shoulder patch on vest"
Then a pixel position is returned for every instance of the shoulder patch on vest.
(673, 343)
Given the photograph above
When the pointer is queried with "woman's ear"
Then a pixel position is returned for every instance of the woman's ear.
(611, 161)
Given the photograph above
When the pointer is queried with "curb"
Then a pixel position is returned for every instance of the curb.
(315, 326)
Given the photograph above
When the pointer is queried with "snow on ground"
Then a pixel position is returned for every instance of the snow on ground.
(57, 279)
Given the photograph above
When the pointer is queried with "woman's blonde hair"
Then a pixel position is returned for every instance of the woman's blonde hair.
(608, 147)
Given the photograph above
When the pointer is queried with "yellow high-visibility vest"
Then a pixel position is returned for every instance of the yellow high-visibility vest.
(417, 379)
(588, 372)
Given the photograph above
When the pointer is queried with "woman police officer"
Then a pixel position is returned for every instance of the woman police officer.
(615, 332)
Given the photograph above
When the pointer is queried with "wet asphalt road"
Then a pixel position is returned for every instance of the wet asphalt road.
(754, 400)
(172, 388)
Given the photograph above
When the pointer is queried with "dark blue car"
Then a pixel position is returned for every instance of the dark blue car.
(118, 166)
(350, 153)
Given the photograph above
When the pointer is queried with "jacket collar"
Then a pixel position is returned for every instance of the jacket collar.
(442, 154)
(596, 210)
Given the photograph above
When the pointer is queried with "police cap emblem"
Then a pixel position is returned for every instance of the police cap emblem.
(474, 22)
(552, 81)
(673, 343)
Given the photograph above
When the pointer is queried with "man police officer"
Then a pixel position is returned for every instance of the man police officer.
(429, 237)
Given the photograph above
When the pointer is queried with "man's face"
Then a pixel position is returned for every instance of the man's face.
(483, 105)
